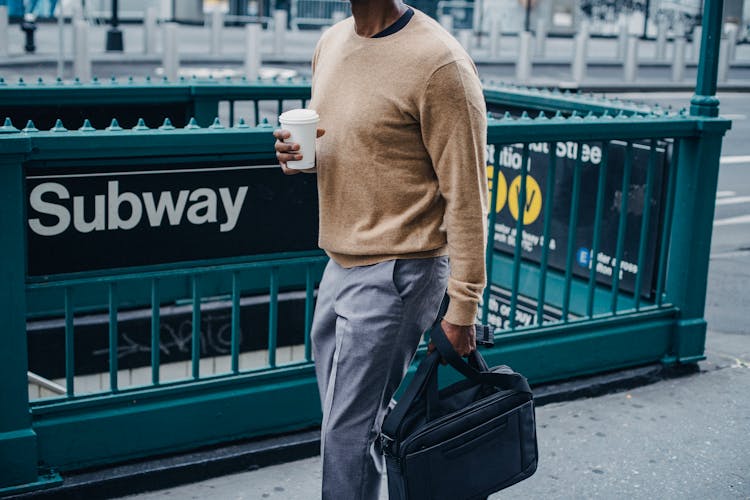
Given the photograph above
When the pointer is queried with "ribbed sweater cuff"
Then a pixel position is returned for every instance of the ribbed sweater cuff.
(461, 312)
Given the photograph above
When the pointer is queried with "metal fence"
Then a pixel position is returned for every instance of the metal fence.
(600, 225)
(318, 12)
(463, 15)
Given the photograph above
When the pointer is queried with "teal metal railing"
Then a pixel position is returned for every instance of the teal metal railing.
(580, 322)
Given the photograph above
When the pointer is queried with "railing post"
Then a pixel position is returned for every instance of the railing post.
(704, 102)
(18, 445)
(695, 188)
(690, 240)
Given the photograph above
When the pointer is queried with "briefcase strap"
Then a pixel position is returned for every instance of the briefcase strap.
(425, 371)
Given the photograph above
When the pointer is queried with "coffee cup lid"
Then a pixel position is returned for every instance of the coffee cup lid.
(299, 117)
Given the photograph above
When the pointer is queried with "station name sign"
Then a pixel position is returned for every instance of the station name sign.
(84, 219)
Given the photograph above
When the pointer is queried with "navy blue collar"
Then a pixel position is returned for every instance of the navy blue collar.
(399, 24)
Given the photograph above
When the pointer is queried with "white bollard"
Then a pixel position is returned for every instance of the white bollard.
(171, 55)
(661, 40)
(622, 39)
(723, 73)
(279, 31)
(581, 42)
(495, 37)
(540, 38)
(149, 30)
(523, 63)
(3, 31)
(60, 41)
(631, 59)
(217, 25)
(732, 31)
(165, 10)
(695, 47)
(464, 38)
(446, 21)
(678, 63)
(77, 12)
(252, 50)
(81, 57)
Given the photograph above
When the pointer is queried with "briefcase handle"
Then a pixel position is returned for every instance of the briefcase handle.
(506, 381)
(513, 381)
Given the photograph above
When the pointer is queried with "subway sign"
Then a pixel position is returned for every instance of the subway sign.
(86, 219)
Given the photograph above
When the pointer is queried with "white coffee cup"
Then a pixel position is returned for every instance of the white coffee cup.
(302, 124)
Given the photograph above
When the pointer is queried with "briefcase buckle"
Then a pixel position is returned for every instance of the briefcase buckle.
(386, 444)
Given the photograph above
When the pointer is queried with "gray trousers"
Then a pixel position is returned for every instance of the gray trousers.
(367, 326)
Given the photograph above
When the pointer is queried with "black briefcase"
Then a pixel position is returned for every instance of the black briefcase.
(465, 441)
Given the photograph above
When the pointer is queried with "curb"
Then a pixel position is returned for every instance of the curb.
(178, 469)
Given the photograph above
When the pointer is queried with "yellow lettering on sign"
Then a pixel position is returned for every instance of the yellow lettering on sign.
(533, 204)
(501, 195)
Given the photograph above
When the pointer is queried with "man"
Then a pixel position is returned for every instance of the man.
(402, 187)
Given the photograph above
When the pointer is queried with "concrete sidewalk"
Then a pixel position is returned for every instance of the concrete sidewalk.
(678, 438)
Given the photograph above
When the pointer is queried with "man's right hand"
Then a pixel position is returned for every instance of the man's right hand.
(289, 151)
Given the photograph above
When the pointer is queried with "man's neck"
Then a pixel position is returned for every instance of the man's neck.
(373, 16)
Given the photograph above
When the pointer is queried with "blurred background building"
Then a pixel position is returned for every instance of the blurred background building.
(560, 17)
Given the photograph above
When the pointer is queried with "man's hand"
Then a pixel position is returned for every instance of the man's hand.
(288, 151)
(463, 338)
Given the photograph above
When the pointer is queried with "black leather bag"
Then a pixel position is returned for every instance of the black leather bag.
(465, 441)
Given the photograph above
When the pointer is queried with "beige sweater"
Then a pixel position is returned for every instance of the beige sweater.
(401, 167)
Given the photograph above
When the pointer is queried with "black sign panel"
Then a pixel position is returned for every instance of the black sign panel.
(526, 308)
(92, 219)
(537, 197)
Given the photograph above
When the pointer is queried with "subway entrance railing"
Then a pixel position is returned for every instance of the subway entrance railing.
(160, 282)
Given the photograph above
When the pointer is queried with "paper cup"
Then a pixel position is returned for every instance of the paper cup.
(302, 124)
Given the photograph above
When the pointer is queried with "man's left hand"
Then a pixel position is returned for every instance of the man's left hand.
(463, 338)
